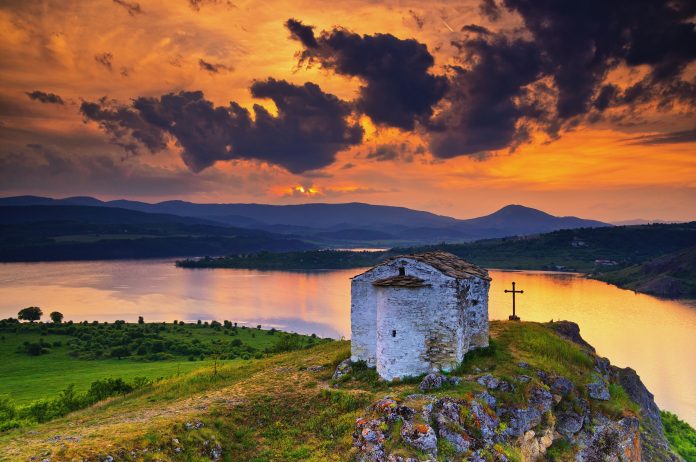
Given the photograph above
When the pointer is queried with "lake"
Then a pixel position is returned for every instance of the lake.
(656, 337)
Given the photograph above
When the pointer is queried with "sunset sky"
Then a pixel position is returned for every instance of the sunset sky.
(457, 107)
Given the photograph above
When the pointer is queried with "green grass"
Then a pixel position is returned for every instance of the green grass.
(26, 378)
(681, 436)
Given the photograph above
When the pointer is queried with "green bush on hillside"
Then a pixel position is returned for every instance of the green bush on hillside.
(681, 436)
(68, 400)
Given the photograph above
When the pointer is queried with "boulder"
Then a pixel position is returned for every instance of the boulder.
(561, 386)
(420, 436)
(569, 423)
(343, 368)
(611, 441)
(432, 381)
(598, 390)
(488, 381)
(486, 398)
(571, 331)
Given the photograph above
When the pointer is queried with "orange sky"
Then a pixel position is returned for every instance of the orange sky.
(596, 170)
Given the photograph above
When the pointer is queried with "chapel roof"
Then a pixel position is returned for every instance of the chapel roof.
(401, 281)
(445, 262)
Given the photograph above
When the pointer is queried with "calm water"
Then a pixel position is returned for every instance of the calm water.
(655, 337)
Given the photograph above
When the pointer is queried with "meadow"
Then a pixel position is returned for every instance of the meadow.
(42, 359)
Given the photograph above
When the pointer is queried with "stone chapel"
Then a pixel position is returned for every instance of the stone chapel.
(417, 313)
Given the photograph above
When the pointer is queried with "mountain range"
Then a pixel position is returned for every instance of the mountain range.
(347, 224)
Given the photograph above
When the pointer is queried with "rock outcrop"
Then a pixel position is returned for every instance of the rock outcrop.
(511, 418)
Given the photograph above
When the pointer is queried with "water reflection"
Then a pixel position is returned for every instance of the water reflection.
(656, 337)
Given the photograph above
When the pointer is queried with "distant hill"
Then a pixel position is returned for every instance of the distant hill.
(671, 276)
(352, 224)
(587, 250)
(91, 215)
(641, 221)
(78, 232)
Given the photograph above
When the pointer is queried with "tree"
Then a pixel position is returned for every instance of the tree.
(141, 320)
(31, 314)
(56, 317)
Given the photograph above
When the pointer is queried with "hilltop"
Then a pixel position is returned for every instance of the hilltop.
(288, 407)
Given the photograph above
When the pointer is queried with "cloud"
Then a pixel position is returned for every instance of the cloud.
(489, 9)
(213, 68)
(39, 168)
(133, 8)
(43, 97)
(398, 89)
(583, 41)
(126, 127)
(485, 107)
(508, 84)
(105, 59)
(549, 77)
(684, 136)
(310, 128)
(303, 33)
(403, 152)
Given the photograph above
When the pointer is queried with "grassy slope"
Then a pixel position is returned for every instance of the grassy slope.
(672, 275)
(275, 408)
(27, 378)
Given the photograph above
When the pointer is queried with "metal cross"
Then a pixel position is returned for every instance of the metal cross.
(513, 317)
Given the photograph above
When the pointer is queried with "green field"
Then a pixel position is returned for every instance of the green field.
(28, 378)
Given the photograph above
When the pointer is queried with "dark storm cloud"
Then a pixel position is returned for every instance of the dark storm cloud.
(685, 136)
(301, 32)
(124, 125)
(499, 94)
(485, 101)
(308, 131)
(398, 90)
(490, 9)
(105, 59)
(213, 68)
(476, 29)
(133, 8)
(43, 97)
(583, 41)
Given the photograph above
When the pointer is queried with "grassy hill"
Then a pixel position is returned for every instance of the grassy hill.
(672, 275)
(36, 356)
(286, 406)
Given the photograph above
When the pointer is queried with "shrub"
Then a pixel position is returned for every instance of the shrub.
(105, 388)
(56, 317)
(286, 343)
(681, 436)
(35, 349)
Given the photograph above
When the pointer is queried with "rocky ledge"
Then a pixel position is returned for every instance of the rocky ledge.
(533, 415)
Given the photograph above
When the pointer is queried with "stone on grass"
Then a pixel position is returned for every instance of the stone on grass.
(488, 381)
(561, 386)
(432, 381)
(343, 368)
(598, 390)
